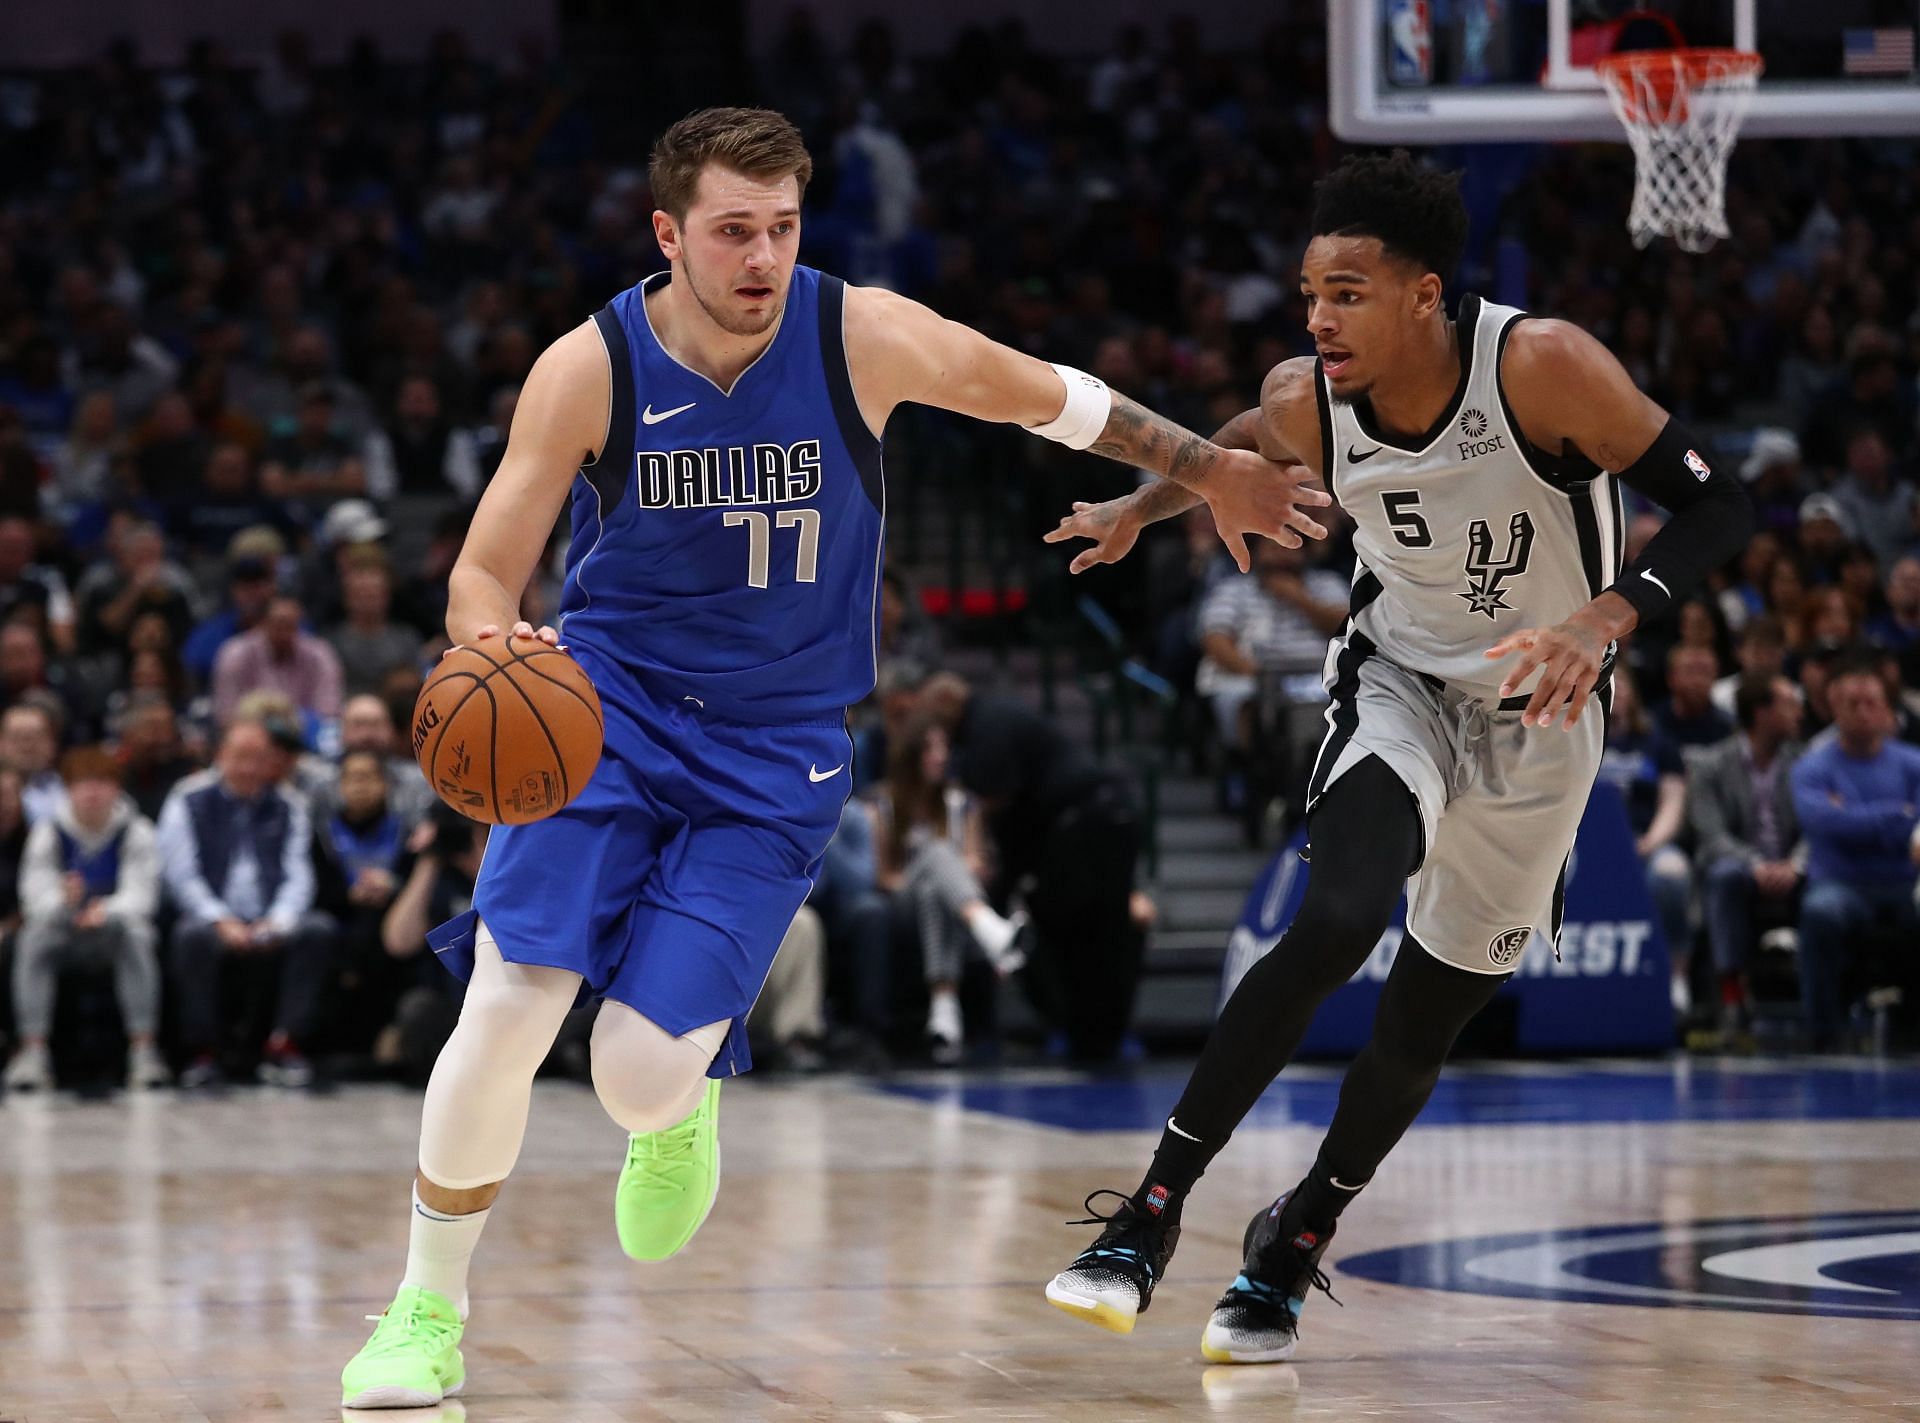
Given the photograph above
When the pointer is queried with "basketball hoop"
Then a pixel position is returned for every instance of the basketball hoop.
(1682, 110)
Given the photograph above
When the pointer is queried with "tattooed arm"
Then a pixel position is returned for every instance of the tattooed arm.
(1286, 415)
(901, 351)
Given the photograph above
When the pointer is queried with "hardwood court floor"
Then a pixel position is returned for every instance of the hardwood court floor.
(879, 1255)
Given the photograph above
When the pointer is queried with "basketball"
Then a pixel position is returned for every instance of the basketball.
(507, 731)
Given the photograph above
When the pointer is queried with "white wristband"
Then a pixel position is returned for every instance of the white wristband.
(1084, 416)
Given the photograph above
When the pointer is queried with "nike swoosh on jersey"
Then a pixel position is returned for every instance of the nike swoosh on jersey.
(647, 416)
(815, 774)
(1355, 457)
(1174, 1127)
(1656, 582)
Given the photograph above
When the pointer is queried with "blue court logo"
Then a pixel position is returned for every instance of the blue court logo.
(1864, 1265)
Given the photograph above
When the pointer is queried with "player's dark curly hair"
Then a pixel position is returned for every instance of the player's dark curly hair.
(1416, 211)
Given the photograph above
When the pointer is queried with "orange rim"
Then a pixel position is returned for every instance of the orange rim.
(1662, 72)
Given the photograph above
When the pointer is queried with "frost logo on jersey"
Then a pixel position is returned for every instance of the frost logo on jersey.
(1473, 424)
(1485, 573)
(1506, 947)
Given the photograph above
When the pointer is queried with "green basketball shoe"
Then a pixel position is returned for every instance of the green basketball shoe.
(669, 1182)
(412, 1360)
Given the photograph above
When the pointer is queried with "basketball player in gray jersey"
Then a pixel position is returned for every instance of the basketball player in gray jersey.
(1480, 459)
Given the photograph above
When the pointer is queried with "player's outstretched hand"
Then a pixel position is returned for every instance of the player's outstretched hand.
(1251, 494)
(1569, 658)
(1113, 526)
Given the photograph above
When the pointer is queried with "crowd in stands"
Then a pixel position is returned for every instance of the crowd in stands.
(262, 329)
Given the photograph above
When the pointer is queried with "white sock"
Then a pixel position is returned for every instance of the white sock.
(439, 1249)
(995, 935)
(943, 1015)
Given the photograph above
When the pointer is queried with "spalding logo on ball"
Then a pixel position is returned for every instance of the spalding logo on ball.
(508, 730)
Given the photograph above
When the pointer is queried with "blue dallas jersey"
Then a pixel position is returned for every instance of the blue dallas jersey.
(726, 544)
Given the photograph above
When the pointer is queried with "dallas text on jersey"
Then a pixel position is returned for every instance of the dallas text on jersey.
(737, 474)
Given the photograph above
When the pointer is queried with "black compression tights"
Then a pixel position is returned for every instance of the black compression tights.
(1366, 840)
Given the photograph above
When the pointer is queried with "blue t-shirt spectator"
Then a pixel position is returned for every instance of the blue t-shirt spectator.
(1858, 812)
(1633, 764)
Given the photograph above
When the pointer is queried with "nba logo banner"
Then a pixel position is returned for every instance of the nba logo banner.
(1605, 991)
(1410, 42)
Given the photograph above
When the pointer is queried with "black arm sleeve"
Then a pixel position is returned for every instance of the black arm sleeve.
(1712, 521)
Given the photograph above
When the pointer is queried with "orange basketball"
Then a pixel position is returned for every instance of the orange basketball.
(508, 730)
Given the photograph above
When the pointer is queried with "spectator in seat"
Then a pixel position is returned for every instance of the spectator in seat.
(89, 889)
(139, 579)
(236, 854)
(855, 915)
(420, 453)
(359, 843)
(1831, 621)
(228, 502)
(788, 1023)
(1745, 598)
(1275, 620)
(25, 668)
(1761, 648)
(1688, 717)
(1740, 802)
(30, 745)
(277, 656)
(436, 884)
(84, 462)
(1826, 532)
(1858, 798)
(1776, 481)
(366, 725)
(13, 848)
(933, 851)
(370, 643)
(153, 760)
(25, 584)
(1786, 588)
(312, 463)
(250, 587)
(1898, 628)
(1644, 766)
(1070, 826)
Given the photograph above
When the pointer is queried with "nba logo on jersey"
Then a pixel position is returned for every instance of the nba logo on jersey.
(1698, 466)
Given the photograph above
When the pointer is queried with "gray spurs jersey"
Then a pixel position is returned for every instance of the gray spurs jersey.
(1466, 532)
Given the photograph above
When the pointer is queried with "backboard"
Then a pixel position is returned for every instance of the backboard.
(1487, 71)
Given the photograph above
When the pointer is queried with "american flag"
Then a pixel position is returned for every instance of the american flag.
(1877, 52)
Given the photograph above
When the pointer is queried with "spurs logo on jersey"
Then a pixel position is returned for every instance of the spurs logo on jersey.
(1485, 573)
(1535, 535)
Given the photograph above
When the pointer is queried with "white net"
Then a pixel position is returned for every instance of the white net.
(1682, 110)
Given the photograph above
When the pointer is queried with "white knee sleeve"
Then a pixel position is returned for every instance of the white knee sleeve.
(646, 1079)
(476, 1108)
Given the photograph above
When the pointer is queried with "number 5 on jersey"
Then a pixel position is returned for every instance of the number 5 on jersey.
(760, 542)
(1409, 526)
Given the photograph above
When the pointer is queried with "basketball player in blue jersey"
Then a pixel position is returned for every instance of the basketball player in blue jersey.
(717, 428)
(1480, 457)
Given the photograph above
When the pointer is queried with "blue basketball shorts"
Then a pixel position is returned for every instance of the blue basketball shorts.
(669, 882)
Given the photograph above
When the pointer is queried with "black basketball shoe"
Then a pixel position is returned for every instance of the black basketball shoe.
(1111, 1282)
(1257, 1320)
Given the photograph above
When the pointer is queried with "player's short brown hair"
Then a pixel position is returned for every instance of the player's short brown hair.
(757, 142)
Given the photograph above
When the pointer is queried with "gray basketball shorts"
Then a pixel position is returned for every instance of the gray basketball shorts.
(1499, 802)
